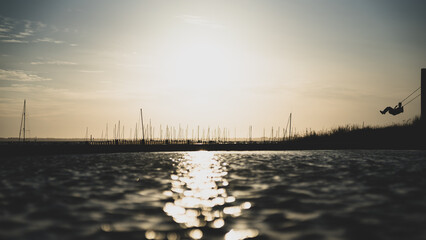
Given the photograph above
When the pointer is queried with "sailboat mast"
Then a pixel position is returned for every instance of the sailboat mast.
(25, 106)
(143, 131)
(289, 133)
(22, 127)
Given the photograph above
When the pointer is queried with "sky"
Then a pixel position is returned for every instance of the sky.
(82, 65)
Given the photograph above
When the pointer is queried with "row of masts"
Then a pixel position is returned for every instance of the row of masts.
(172, 133)
(197, 134)
(183, 134)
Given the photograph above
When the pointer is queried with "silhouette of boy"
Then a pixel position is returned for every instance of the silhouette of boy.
(394, 111)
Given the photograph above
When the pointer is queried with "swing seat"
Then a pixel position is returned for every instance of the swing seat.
(396, 111)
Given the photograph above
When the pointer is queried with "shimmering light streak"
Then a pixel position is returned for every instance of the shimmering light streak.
(241, 234)
(199, 193)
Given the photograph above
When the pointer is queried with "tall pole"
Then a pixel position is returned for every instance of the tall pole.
(118, 130)
(150, 130)
(143, 133)
(25, 103)
(249, 134)
(22, 127)
(423, 96)
(289, 132)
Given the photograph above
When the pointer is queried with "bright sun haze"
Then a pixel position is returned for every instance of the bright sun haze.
(228, 64)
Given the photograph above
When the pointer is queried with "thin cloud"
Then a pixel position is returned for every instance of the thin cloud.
(20, 76)
(24, 34)
(91, 71)
(25, 31)
(13, 29)
(52, 94)
(53, 63)
(6, 24)
(135, 65)
(49, 40)
(4, 29)
(200, 21)
(13, 41)
(341, 93)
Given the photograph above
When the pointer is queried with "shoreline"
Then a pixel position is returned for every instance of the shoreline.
(406, 137)
(58, 148)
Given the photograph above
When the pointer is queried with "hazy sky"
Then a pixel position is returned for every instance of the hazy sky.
(210, 63)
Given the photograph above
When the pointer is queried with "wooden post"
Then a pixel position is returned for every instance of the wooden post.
(423, 96)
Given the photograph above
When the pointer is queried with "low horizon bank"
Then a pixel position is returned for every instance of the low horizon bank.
(409, 136)
(300, 134)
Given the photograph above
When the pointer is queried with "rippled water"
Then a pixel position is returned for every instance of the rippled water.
(215, 195)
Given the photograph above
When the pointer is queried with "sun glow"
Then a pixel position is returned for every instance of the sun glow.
(202, 64)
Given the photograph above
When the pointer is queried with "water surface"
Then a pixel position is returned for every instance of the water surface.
(215, 195)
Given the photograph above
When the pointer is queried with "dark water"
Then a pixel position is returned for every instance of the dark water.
(215, 195)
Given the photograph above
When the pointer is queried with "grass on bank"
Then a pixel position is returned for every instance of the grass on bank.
(408, 134)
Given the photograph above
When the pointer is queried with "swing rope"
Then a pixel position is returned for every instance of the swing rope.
(412, 99)
(410, 95)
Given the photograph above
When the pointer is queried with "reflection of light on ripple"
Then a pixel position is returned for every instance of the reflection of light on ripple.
(241, 234)
(196, 234)
(200, 197)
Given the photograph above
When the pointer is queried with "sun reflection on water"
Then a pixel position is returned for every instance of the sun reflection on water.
(198, 189)
(199, 193)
